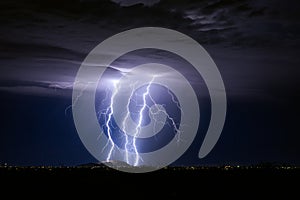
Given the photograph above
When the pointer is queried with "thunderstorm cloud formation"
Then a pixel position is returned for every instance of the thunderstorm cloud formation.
(255, 45)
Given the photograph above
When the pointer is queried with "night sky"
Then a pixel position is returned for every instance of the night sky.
(255, 44)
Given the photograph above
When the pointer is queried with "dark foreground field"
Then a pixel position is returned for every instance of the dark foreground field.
(167, 182)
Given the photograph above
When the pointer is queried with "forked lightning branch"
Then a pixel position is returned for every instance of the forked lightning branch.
(155, 111)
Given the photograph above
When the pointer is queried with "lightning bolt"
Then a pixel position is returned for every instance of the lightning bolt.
(173, 123)
(109, 112)
(130, 146)
(103, 112)
(127, 145)
(85, 87)
(140, 119)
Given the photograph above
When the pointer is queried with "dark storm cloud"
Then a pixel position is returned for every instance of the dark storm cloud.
(132, 2)
(242, 23)
(210, 22)
(37, 69)
(47, 41)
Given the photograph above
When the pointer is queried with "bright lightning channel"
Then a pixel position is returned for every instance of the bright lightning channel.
(138, 127)
(127, 145)
(109, 112)
(130, 146)
(176, 130)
